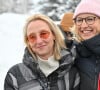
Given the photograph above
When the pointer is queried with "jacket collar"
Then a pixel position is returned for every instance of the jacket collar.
(89, 47)
(65, 60)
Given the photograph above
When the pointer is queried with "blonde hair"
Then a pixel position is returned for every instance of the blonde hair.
(75, 34)
(59, 38)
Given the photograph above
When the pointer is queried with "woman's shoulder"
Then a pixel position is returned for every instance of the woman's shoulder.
(21, 70)
(14, 69)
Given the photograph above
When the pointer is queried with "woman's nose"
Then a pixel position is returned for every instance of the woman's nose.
(84, 24)
(38, 39)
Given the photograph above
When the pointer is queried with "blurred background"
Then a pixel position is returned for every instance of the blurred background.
(53, 8)
(13, 14)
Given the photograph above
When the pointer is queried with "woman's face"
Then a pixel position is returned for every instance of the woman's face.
(88, 25)
(40, 38)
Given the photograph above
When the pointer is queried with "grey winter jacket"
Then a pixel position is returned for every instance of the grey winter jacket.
(28, 76)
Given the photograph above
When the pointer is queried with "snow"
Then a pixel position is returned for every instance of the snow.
(11, 42)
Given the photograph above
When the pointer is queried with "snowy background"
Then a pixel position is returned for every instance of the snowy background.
(11, 42)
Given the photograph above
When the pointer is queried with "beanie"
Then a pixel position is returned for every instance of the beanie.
(67, 21)
(88, 6)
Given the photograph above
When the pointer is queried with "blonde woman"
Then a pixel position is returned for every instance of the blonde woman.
(47, 64)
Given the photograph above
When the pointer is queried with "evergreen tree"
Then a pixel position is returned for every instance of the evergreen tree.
(56, 8)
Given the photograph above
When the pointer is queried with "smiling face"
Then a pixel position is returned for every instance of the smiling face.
(40, 38)
(86, 29)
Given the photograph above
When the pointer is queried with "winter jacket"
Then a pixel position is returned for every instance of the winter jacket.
(28, 75)
(88, 63)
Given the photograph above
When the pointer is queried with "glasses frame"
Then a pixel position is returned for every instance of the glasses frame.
(42, 35)
(87, 21)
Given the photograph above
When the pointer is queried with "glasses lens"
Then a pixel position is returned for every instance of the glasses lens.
(90, 20)
(78, 21)
(44, 34)
(31, 38)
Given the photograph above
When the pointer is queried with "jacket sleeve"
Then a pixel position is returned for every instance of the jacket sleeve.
(76, 82)
(10, 82)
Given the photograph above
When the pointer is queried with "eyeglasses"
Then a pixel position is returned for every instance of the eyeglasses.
(89, 20)
(43, 35)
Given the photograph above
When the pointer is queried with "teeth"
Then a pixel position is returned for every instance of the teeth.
(86, 31)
